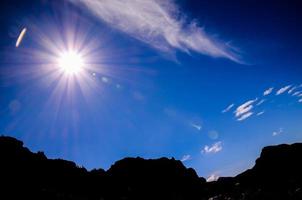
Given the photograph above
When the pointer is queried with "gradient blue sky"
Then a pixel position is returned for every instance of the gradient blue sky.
(155, 86)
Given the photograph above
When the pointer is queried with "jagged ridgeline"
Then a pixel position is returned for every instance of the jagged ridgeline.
(277, 174)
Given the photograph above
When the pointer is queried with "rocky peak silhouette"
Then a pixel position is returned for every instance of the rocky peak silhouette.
(277, 174)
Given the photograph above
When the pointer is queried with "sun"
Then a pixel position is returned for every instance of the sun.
(71, 62)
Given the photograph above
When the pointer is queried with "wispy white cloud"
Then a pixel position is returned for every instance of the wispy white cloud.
(250, 108)
(275, 133)
(159, 24)
(186, 158)
(292, 89)
(282, 90)
(214, 148)
(297, 93)
(245, 116)
(260, 102)
(244, 108)
(212, 177)
(196, 126)
(268, 91)
(227, 109)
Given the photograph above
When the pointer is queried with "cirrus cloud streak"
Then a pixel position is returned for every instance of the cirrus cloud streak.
(159, 24)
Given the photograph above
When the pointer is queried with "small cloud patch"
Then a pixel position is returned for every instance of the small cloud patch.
(282, 90)
(186, 158)
(214, 148)
(260, 113)
(275, 133)
(268, 91)
(227, 109)
(212, 177)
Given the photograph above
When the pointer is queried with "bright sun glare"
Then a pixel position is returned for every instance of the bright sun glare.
(71, 62)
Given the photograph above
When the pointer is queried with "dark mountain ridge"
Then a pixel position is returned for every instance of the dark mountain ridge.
(277, 174)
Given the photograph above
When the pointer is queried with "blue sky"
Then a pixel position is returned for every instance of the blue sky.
(206, 82)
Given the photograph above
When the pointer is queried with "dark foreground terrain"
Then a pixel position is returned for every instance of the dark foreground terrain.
(277, 174)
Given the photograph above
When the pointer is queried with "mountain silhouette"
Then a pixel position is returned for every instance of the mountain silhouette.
(277, 174)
